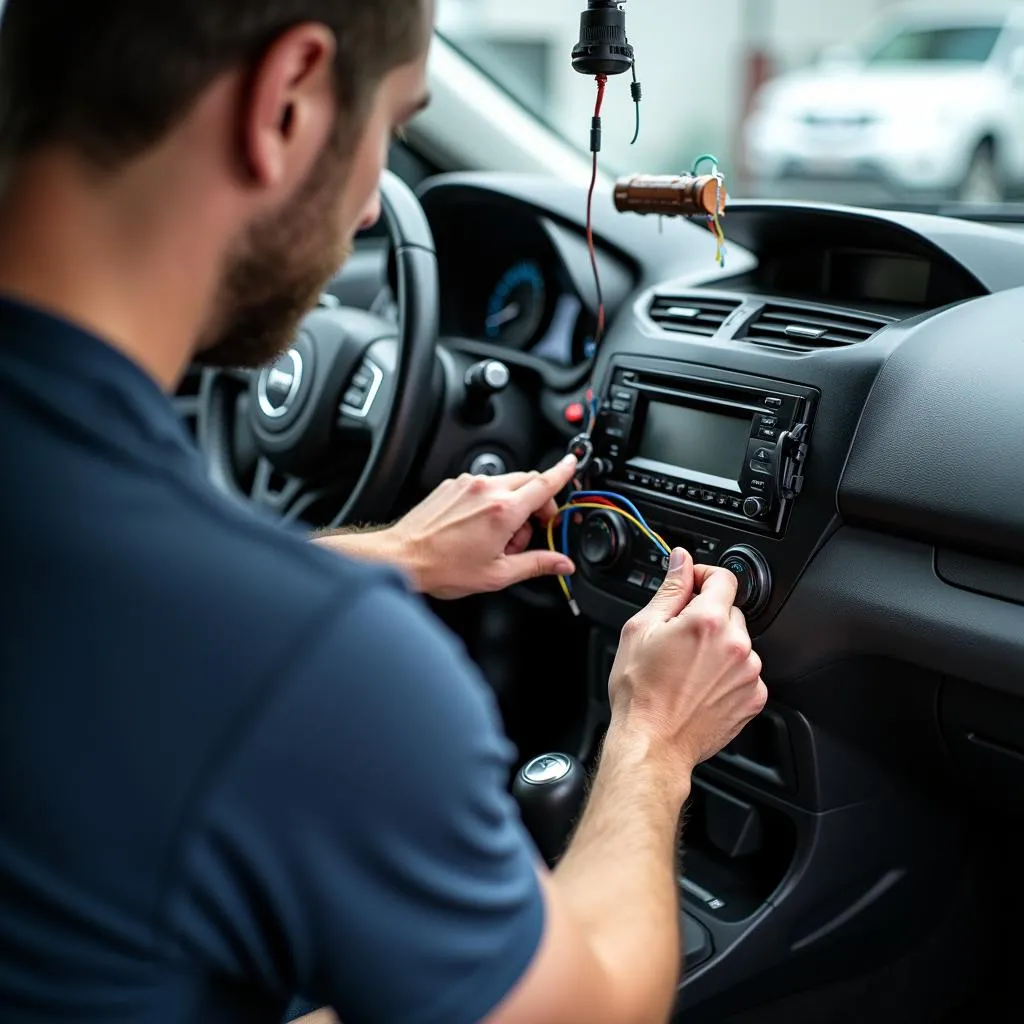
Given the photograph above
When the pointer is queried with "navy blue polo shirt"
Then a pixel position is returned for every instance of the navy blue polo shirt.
(234, 767)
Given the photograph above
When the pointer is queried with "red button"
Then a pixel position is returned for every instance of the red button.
(574, 413)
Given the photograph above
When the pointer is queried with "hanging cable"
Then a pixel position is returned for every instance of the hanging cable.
(595, 149)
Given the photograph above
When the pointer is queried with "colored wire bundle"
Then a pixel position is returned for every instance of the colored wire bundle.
(714, 219)
(606, 501)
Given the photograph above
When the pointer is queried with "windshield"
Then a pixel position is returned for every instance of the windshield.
(973, 43)
(864, 102)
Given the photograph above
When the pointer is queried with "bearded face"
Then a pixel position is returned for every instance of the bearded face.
(277, 272)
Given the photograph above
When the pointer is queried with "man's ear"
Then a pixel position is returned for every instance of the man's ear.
(289, 107)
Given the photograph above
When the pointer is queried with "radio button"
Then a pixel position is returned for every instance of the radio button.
(773, 403)
(721, 501)
(757, 484)
(620, 406)
(692, 493)
(754, 508)
(764, 468)
(735, 504)
(654, 583)
(631, 477)
(708, 497)
(763, 454)
(645, 480)
(768, 433)
(637, 579)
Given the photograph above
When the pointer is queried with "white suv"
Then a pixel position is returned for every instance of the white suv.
(935, 107)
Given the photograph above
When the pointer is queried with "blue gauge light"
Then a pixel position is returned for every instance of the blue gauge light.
(515, 309)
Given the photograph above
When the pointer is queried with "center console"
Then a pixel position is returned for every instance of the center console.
(712, 460)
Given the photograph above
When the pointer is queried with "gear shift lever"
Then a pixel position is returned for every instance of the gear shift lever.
(550, 791)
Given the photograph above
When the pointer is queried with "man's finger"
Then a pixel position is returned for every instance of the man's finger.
(717, 586)
(677, 589)
(547, 513)
(531, 565)
(537, 492)
(513, 481)
(520, 540)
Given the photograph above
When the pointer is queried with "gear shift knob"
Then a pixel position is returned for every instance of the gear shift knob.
(550, 790)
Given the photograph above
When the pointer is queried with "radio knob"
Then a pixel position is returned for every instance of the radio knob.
(604, 540)
(754, 508)
(753, 575)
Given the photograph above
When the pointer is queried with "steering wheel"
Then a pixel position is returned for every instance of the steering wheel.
(278, 436)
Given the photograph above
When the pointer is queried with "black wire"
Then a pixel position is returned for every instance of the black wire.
(637, 91)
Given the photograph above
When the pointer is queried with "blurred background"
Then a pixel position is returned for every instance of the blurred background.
(854, 101)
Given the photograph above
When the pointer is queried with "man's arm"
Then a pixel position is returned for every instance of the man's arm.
(611, 952)
(470, 536)
(367, 812)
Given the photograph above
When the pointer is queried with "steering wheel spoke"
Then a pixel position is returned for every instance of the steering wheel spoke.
(273, 490)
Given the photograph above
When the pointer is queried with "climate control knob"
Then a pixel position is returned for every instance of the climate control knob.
(604, 540)
(754, 578)
(754, 508)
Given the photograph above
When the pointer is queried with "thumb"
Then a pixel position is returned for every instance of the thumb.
(531, 565)
(675, 593)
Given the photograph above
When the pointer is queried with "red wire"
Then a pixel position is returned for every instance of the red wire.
(602, 81)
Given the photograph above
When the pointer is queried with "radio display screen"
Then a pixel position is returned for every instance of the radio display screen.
(711, 443)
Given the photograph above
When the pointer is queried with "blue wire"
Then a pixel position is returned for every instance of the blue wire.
(611, 496)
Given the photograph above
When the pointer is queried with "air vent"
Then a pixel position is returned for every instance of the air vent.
(804, 330)
(691, 314)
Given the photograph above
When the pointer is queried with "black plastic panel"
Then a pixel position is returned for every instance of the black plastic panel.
(870, 594)
(1004, 580)
(940, 449)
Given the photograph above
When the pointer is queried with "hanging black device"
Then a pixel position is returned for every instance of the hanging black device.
(603, 48)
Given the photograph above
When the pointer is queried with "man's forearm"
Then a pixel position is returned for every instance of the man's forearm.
(619, 873)
(373, 544)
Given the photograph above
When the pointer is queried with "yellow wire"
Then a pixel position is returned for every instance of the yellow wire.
(646, 531)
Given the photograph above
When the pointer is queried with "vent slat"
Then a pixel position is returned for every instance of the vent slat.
(796, 329)
(691, 314)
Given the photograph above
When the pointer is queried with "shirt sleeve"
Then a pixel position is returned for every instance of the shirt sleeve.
(361, 847)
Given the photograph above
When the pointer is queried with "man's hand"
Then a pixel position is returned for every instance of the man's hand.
(684, 683)
(685, 675)
(471, 534)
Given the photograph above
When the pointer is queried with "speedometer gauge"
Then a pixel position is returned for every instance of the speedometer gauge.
(515, 309)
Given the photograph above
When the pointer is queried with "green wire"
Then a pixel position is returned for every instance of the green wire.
(704, 157)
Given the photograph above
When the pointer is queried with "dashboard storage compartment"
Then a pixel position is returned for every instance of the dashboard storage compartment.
(762, 752)
(735, 852)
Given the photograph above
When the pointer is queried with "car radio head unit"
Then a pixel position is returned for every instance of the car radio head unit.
(724, 450)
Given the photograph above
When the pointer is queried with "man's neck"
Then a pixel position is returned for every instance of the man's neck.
(126, 260)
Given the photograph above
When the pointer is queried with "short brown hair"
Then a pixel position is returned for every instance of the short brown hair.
(111, 77)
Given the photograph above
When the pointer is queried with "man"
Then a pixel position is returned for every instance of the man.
(236, 766)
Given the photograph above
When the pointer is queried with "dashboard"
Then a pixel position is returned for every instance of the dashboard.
(836, 417)
(890, 338)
